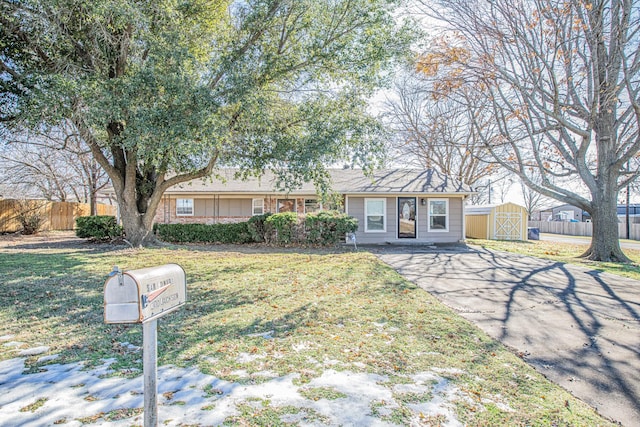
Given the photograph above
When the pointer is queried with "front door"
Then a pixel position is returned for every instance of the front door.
(407, 217)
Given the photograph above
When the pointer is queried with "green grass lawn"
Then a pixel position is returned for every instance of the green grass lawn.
(282, 311)
(564, 252)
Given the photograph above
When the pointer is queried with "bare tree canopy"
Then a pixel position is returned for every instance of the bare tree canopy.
(430, 131)
(561, 82)
(53, 164)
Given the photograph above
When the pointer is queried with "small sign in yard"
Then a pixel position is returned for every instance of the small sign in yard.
(142, 296)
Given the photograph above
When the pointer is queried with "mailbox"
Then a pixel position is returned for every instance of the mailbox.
(137, 296)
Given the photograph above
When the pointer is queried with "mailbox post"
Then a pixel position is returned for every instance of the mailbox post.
(143, 296)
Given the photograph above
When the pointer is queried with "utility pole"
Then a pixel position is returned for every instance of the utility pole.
(627, 207)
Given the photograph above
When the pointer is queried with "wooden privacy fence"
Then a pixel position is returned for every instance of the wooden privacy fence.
(56, 215)
(582, 228)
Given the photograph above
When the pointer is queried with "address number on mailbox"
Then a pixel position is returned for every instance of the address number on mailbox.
(138, 296)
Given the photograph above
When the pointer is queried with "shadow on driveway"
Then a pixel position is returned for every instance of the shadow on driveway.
(578, 327)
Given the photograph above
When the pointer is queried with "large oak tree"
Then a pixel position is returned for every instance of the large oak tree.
(561, 105)
(164, 91)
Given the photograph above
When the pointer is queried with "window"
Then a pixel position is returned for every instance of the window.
(438, 215)
(375, 211)
(257, 206)
(311, 205)
(184, 207)
(286, 205)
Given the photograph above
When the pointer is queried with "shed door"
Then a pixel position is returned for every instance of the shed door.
(407, 217)
(507, 226)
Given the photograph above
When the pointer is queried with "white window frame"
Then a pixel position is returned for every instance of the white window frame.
(384, 215)
(446, 216)
(257, 204)
(191, 202)
(317, 202)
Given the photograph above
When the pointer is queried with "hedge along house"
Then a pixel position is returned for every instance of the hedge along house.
(392, 206)
(507, 221)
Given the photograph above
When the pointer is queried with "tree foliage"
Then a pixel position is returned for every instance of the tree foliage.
(163, 91)
(560, 106)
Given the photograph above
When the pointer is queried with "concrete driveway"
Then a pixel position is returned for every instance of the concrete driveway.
(578, 327)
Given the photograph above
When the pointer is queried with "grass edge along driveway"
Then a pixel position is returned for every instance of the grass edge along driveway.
(283, 312)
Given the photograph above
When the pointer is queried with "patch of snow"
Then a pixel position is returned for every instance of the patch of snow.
(129, 346)
(49, 358)
(266, 374)
(240, 373)
(411, 388)
(33, 351)
(247, 358)
(206, 400)
(454, 371)
(331, 362)
(7, 337)
(266, 335)
(497, 401)
(302, 346)
(13, 344)
(444, 393)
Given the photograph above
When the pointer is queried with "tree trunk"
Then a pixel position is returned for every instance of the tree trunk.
(605, 244)
(93, 199)
(138, 227)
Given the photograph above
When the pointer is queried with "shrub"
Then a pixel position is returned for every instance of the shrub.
(259, 229)
(328, 227)
(284, 226)
(204, 233)
(30, 214)
(100, 227)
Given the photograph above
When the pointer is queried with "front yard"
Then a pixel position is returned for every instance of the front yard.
(256, 317)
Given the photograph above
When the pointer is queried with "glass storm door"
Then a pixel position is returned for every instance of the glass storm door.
(407, 217)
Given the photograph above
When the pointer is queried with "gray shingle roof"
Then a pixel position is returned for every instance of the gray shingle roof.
(345, 181)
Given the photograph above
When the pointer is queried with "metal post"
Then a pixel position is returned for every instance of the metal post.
(149, 369)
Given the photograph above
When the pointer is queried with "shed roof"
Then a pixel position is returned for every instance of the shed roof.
(345, 181)
(486, 209)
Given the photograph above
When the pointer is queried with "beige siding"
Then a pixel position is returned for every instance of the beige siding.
(234, 207)
(504, 222)
(477, 226)
(209, 210)
(203, 207)
(454, 233)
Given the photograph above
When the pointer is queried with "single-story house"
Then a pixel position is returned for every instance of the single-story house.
(392, 206)
(565, 212)
(507, 221)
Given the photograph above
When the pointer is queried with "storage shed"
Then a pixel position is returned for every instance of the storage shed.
(507, 221)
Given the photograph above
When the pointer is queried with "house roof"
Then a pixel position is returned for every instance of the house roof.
(345, 181)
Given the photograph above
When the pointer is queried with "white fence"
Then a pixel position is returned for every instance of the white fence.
(582, 228)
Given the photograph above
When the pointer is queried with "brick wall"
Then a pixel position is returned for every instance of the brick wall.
(166, 213)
